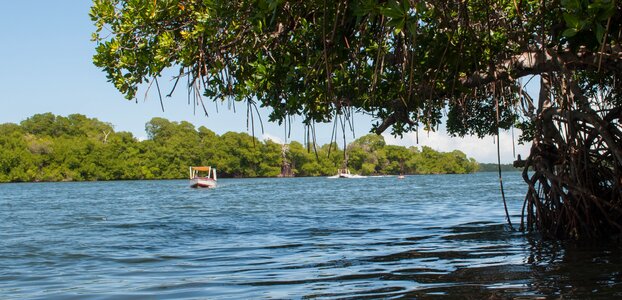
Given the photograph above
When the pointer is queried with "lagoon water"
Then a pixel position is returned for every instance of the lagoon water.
(441, 236)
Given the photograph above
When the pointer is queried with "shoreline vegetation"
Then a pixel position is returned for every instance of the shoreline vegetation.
(49, 148)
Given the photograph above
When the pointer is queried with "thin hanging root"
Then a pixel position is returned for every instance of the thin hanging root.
(333, 134)
(289, 129)
(159, 93)
(259, 116)
(351, 121)
(177, 78)
(343, 133)
(197, 95)
(249, 111)
(505, 205)
(317, 157)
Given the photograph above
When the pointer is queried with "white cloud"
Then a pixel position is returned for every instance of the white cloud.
(266, 136)
(483, 150)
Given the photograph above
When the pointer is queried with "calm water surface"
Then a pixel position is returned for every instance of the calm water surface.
(438, 236)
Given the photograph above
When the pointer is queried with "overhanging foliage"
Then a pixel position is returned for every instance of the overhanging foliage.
(406, 62)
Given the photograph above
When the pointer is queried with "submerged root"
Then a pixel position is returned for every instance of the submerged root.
(575, 179)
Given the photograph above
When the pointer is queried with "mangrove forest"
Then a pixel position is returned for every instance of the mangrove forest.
(46, 147)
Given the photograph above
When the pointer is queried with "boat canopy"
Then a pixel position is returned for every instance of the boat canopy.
(201, 168)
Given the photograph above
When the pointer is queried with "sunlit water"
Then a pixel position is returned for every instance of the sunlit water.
(420, 237)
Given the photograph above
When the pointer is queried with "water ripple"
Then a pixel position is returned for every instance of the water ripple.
(311, 238)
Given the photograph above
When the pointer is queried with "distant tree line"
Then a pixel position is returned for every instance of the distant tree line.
(46, 147)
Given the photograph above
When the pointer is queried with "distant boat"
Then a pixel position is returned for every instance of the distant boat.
(345, 173)
(206, 181)
(400, 177)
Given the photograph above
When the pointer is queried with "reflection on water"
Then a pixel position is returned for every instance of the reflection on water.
(420, 237)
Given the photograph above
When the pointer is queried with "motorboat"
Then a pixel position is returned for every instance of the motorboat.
(203, 177)
(345, 173)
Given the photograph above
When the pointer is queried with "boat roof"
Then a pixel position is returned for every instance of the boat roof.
(201, 168)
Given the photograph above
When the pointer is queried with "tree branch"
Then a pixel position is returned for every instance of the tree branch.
(534, 62)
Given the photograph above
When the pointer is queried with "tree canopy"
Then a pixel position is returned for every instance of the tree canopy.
(402, 61)
(408, 63)
(46, 147)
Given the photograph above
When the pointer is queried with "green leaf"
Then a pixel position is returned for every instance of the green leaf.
(397, 23)
(571, 4)
(600, 33)
(606, 13)
(405, 6)
(570, 32)
(393, 12)
(571, 20)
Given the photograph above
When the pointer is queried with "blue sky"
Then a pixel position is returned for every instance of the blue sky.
(45, 66)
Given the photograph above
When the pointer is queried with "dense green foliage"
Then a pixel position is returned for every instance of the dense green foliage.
(46, 147)
(402, 61)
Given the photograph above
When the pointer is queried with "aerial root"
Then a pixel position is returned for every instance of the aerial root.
(575, 180)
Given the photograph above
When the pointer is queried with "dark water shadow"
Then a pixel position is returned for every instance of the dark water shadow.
(544, 269)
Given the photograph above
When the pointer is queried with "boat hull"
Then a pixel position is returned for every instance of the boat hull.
(344, 175)
(202, 183)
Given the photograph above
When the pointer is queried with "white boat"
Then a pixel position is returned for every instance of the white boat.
(206, 181)
(345, 173)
